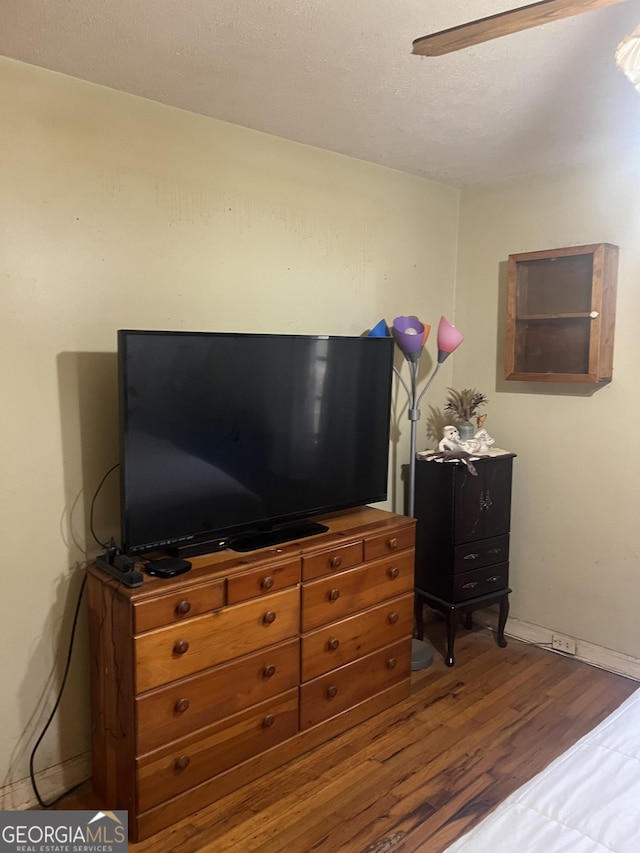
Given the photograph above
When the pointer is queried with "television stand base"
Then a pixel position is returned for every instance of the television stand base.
(263, 538)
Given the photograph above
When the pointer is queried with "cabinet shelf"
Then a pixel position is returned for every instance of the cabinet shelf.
(561, 314)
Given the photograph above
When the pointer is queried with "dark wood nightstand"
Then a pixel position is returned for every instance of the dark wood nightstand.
(462, 540)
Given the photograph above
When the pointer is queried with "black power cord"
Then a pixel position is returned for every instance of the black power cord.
(67, 664)
(55, 708)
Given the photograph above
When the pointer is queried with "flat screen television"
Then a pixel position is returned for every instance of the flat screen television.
(236, 440)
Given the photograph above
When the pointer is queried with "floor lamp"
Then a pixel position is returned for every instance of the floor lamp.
(410, 336)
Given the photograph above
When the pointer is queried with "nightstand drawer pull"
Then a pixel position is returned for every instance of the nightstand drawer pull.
(333, 644)
(470, 585)
(494, 550)
(181, 647)
(334, 594)
(471, 557)
(391, 663)
(267, 582)
(392, 544)
(393, 618)
(393, 572)
(269, 617)
(336, 562)
(269, 670)
(332, 691)
(268, 721)
(183, 607)
(181, 706)
(182, 763)
(494, 579)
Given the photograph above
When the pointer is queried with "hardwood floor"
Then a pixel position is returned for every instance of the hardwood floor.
(419, 775)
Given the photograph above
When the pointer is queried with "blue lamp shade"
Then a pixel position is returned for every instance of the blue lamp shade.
(409, 336)
(380, 330)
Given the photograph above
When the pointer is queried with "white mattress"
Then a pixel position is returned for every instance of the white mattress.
(586, 801)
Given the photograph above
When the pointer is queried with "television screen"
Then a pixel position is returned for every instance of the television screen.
(224, 434)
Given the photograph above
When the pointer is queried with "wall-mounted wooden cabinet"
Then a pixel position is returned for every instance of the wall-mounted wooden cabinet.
(561, 314)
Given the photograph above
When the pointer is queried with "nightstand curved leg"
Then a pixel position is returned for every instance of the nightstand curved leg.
(502, 620)
(452, 626)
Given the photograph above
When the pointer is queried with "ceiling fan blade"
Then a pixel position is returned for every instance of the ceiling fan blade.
(502, 24)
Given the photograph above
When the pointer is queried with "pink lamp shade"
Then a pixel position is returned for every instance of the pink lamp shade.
(409, 334)
(449, 339)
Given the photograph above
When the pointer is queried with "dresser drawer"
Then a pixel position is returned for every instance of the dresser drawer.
(167, 654)
(480, 582)
(345, 687)
(389, 542)
(185, 763)
(344, 641)
(485, 552)
(333, 598)
(334, 560)
(178, 606)
(257, 582)
(170, 712)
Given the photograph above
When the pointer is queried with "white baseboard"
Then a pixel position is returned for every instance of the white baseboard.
(589, 653)
(51, 784)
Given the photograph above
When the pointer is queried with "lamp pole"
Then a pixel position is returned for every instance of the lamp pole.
(414, 416)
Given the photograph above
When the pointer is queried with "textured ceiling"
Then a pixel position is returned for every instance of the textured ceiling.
(339, 74)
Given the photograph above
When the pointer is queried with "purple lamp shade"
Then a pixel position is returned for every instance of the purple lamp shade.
(409, 334)
(449, 339)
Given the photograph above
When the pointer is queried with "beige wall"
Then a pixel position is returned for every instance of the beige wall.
(575, 546)
(116, 212)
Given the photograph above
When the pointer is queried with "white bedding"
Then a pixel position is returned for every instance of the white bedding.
(586, 801)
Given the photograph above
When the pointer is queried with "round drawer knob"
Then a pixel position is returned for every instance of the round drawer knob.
(181, 706)
(267, 582)
(269, 670)
(336, 562)
(183, 607)
(333, 644)
(181, 647)
(268, 721)
(334, 594)
(182, 763)
(393, 618)
(332, 691)
(391, 663)
(393, 572)
(392, 544)
(269, 617)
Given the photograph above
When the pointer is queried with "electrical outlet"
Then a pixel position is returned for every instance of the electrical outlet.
(563, 644)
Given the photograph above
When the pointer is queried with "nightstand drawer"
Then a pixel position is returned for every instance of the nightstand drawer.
(345, 687)
(480, 582)
(485, 552)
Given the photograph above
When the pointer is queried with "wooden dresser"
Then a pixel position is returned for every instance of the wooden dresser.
(204, 682)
